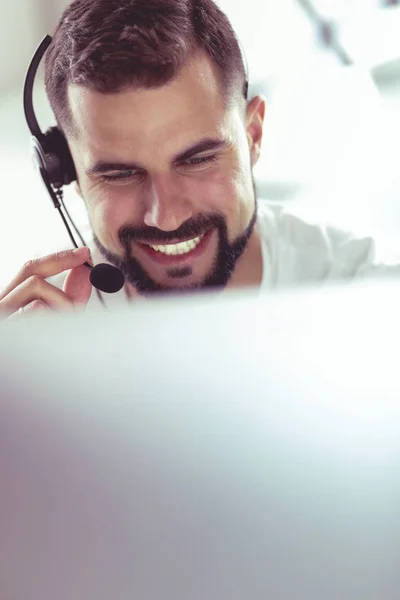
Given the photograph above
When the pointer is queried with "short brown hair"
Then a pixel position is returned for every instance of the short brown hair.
(112, 45)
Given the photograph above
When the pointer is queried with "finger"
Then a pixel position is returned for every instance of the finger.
(33, 289)
(77, 285)
(48, 266)
(37, 306)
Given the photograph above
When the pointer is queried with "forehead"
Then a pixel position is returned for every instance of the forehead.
(190, 106)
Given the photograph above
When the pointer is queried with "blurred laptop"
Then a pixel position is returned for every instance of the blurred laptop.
(226, 447)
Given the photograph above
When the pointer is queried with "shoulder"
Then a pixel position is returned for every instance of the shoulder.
(304, 247)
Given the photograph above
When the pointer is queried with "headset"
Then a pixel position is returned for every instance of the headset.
(52, 158)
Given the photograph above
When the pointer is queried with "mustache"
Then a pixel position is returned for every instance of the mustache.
(191, 228)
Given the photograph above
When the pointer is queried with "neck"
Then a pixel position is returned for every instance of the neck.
(249, 268)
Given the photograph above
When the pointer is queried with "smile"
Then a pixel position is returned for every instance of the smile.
(172, 255)
(177, 249)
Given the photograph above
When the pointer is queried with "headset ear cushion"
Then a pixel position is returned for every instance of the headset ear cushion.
(54, 144)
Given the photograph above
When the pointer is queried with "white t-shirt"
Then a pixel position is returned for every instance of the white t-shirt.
(296, 251)
(302, 251)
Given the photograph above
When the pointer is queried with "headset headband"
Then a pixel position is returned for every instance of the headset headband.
(28, 88)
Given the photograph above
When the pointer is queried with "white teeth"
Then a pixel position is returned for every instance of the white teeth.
(176, 249)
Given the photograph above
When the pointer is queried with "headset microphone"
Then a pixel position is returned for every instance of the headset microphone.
(52, 157)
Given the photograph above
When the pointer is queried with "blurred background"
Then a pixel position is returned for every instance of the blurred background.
(330, 70)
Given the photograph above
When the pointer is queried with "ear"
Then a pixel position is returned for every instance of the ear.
(255, 115)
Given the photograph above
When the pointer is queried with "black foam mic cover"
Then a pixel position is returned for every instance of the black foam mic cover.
(107, 278)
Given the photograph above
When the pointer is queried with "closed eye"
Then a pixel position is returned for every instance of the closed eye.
(200, 160)
(122, 177)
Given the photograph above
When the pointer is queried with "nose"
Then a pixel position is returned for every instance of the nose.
(167, 205)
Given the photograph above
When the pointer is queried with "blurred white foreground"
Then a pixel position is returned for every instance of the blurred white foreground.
(236, 447)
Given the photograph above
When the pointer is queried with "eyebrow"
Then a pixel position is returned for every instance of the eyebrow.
(203, 146)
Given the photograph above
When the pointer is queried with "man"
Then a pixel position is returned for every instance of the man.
(151, 97)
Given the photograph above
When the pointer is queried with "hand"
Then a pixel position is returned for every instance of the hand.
(30, 292)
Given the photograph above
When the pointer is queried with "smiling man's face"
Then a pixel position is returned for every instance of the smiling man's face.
(166, 176)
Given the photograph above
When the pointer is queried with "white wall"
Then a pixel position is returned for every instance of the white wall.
(275, 33)
(23, 23)
(19, 31)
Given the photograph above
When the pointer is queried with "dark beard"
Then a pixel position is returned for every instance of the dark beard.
(224, 263)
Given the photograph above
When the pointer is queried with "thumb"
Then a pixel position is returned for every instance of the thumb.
(77, 285)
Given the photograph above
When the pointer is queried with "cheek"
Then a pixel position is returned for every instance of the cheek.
(216, 193)
(229, 191)
(109, 210)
